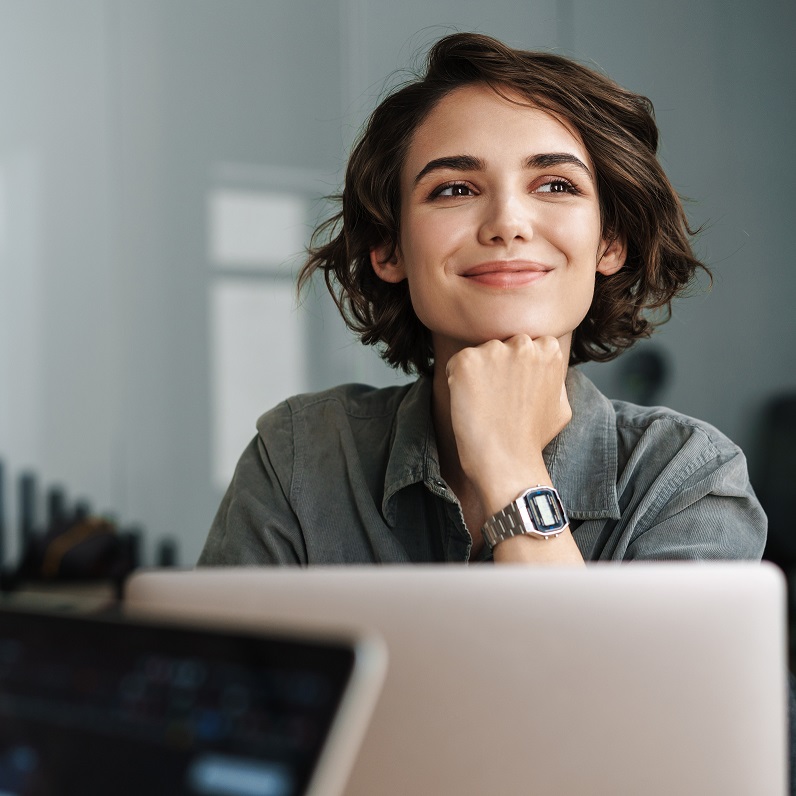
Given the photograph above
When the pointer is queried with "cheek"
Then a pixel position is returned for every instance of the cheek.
(582, 301)
(432, 236)
(577, 233)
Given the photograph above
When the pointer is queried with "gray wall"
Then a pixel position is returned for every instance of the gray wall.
(116, 117)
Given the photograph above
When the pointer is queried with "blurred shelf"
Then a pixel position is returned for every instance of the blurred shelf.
(77, 597)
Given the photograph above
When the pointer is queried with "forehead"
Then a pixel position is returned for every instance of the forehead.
(476, 120)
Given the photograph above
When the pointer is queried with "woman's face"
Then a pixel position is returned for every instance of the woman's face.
(500, 224)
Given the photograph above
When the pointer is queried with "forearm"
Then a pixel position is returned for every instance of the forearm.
(506, 400)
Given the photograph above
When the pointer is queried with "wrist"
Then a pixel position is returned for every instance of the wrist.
(537, 513)
(503, 485)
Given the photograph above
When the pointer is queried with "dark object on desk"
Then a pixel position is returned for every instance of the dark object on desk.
(27, 508)
(77, 549)
(79, 546)
(776, 476)
(792, 731)
(56, 506)
(73, 546)
(3, 531)
(166, 553)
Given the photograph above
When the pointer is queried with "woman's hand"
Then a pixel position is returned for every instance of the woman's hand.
(507, 402)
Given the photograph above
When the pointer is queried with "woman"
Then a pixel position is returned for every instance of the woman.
(504, 218)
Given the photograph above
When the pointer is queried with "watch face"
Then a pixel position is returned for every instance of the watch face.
(546, 510)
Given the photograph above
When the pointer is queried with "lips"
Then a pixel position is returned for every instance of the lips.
(506, 274)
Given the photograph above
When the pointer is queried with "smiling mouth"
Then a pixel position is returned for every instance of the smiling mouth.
(506, 274)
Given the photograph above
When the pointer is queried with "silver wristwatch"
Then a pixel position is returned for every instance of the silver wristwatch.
(536, 512)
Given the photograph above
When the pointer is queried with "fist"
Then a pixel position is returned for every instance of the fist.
(508, 401)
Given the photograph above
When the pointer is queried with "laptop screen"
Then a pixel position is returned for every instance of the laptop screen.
(90, 706)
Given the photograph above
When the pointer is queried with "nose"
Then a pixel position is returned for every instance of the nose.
(506, 218)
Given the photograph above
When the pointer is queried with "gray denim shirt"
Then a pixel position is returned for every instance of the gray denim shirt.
(351, 476)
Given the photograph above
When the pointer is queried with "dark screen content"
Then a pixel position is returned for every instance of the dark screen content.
(92, 706)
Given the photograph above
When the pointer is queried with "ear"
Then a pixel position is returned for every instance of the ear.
(614, 252)
(389, 268)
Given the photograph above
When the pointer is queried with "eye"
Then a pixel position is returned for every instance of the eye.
(558, 185)
(452, 189)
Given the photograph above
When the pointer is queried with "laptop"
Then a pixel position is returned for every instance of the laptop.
(92, 706)
(652, 679)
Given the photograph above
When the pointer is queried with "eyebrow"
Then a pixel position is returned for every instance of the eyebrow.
(470, 163)
(551, 159)
(453, 162)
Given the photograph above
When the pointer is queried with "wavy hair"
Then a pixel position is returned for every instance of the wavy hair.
(637, 202)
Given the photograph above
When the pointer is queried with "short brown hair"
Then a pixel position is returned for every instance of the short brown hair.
(637, 202)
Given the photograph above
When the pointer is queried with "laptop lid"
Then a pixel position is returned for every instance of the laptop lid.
(645, 678)
(97, 706)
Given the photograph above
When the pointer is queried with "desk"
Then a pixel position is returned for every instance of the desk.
(77, 597)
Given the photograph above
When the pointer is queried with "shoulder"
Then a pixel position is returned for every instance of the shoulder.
(349, 417)
(660, 432)
(609, 437)
(353, 401)
(332, 452)
(686, 489)
(634, 416)
(671, 486)
(669, 462)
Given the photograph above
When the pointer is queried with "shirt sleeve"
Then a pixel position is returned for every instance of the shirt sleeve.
(701, 506)
(255, 524)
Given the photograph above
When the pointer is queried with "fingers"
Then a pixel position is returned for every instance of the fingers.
(508, 401)
(518, 357)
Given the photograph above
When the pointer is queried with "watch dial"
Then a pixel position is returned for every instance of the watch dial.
(545, 510)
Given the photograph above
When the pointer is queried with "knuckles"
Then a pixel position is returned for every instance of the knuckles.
(544, 351)
(522, 342)
(549, 347)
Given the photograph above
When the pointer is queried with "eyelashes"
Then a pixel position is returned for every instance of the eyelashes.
(559, 185)
(452, 190)
(457, 189)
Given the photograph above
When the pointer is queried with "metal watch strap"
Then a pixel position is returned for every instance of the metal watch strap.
(515, 520)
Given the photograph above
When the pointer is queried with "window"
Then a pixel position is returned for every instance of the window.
(258, 226)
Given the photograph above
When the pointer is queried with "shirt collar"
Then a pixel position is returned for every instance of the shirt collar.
(413, 449)
(581, 460)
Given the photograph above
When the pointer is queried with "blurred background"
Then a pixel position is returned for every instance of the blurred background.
(162, 165)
